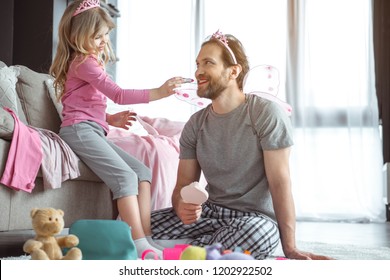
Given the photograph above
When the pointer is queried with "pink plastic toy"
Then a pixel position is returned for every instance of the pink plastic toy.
(194, 193)
(168, 253)
(149, 251)
(175, 252)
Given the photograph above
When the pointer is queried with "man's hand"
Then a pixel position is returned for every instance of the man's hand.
(122, 119)
(187, 212)
(188, 171)
(301, 255)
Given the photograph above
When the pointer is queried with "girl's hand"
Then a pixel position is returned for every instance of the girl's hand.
(167, 89)
(122, 119)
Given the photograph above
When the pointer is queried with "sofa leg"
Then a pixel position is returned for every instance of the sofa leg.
(114, 208)
(388, 212)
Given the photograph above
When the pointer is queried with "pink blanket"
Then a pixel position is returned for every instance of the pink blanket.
(159, 150)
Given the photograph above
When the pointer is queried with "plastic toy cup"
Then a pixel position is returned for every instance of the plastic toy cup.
(172, 253)
(149, 251)
(175, 252)
(181, 246)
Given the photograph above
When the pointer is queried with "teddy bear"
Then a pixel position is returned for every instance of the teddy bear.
(48, 222)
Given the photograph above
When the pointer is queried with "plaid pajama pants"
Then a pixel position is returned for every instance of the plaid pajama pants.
(254, 232)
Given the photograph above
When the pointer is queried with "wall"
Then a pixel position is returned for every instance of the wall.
(28, 33)
(7, 30)
(382, 69)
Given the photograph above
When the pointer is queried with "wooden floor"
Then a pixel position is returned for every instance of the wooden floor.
(11, 243)
(370, 235)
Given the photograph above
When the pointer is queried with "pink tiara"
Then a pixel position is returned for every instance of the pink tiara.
(222, 38)
(86, 5)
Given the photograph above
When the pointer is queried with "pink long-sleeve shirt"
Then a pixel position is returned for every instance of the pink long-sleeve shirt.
(86, 91)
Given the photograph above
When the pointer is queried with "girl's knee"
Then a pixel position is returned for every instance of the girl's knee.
(124, 185)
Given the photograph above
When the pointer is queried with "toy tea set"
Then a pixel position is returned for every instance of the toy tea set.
(111, 239)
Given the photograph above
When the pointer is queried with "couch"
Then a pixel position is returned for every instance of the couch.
(154, 141)
(85, 197)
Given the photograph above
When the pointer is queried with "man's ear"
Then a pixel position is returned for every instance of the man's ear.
(235, 71)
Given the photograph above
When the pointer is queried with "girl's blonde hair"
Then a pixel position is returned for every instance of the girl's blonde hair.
(76, 36)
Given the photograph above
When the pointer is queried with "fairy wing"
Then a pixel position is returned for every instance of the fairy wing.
(187, 93)
(287, 107)
(263, 80)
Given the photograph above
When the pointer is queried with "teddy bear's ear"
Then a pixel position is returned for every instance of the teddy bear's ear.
(33, 212)
(60, 212)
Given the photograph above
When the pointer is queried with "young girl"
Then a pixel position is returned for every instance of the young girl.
(83, 87)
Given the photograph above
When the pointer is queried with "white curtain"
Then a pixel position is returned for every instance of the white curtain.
(159, 39)
(155, 43)
(336, 159)
(326, 75)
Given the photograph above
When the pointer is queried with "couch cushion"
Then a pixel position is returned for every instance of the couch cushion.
(52, 92)
(8, 79)
(36, 102)
(6, 124)
(9, 98)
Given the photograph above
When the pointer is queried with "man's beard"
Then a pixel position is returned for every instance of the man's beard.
(214, 88)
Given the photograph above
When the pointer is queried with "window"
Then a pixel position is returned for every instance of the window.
(153, 45)
(336, 160)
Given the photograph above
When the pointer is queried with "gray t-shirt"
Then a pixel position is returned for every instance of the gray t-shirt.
(231, 155)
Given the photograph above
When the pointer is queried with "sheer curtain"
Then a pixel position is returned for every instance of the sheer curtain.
(155, 43)
(259, 24)
(326, 75)
(160, 39)
(336, 159)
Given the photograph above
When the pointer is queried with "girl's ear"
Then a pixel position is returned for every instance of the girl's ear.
(235, 71)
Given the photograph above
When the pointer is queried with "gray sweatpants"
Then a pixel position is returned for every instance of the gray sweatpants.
(116, 168)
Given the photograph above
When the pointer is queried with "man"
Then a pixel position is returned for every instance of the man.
(241, 143)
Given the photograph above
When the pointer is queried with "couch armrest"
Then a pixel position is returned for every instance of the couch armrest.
(4, 148)
(5, 194)
(6, 124)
